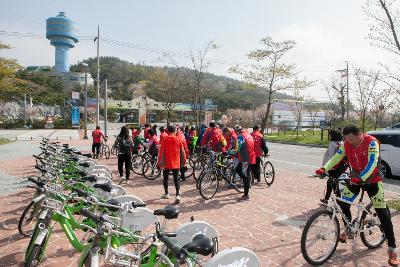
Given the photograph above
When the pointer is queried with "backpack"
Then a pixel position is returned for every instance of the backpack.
(124, 145)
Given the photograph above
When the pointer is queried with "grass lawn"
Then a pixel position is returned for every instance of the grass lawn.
(4, 141)
(306, 137)
(394, 204)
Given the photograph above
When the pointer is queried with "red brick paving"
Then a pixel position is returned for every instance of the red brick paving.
(270, 223)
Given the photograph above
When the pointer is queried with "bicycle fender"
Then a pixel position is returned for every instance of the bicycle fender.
(187, 231)
(85, 253)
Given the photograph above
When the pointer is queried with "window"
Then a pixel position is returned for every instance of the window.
(384, 139)
(396, 140)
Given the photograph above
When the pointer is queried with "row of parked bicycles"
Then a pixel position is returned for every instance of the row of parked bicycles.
(208, 169)
(108, 226)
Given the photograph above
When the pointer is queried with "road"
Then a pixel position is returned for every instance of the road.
(305, 160)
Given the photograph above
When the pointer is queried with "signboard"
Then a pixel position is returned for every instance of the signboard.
(75, 116)
(75, 95)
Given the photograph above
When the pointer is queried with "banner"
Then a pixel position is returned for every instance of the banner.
(75, 116)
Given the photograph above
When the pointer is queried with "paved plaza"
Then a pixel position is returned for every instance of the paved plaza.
(269, 224)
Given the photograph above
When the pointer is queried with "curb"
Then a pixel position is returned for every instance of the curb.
(296, 144)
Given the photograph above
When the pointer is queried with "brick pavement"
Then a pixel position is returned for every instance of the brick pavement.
(269, 224)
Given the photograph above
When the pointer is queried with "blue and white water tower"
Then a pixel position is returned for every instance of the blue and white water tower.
(63, 35)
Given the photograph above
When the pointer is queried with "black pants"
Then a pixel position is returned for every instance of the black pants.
(374, 193)
(175, 173)
(96, 149)
(255, 168)
(243, 169)
(124, 158)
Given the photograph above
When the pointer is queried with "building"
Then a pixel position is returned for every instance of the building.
(285, 114)
(63, 35)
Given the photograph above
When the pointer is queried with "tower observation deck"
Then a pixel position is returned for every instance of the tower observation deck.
(62, 33)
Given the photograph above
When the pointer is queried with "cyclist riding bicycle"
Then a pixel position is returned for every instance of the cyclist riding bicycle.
(362, 152)
(97, 136)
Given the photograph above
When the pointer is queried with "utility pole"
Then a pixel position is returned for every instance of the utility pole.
(24, 110)
(105, 107)
(98, 77)
(85, 115)
(347, 80)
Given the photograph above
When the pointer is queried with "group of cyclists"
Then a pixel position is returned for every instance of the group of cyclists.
(349, 149)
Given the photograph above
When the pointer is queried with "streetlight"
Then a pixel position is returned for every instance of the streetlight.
(85, 136)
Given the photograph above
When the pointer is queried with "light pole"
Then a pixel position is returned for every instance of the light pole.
(85, 136)
(98, 77)
(347, 80)
(105, 107)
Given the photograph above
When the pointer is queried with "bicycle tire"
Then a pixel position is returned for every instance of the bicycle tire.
(33, 258)
(304, 238)
(21, 230)
(148, 165)
(201, 183)
(362, 234)
(107, 151)
(137, 164)
(269, 179)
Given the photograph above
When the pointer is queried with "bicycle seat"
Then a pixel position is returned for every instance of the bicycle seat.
(105, 187)
(200, 244)
(84, 164)
(113, 202)
(90, 178)
(169, 212)
(88, 155)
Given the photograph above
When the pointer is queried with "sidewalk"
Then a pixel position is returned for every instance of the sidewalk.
(270, 223)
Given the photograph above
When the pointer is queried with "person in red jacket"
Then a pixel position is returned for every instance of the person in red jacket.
(246, 157)
(212, 138)
(260, 148)
(170, 159)
(180, 134)
(230, 137)
(153, 143)
(146, 131)
(97, 136)
(363, 155)
(162, 134)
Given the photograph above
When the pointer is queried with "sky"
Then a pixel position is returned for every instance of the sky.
(327, 32)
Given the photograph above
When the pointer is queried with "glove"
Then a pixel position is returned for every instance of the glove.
(356, 180)
(320, 172)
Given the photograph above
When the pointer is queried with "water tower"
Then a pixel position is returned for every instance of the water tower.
(62, 34)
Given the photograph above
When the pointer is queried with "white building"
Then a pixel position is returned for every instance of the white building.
(287, 114)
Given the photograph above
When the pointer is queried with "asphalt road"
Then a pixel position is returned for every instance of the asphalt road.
(305, 160)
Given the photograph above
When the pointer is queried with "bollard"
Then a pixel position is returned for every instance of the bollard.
(70, 138)
(31, 138)
(322, 134)
(15, 138)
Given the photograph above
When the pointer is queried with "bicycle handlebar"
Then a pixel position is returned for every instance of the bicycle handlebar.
(97, 219)
(33, 180)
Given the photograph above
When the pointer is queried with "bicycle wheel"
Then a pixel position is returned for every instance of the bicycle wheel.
(208, 184)
(269, 172)
(235, 179)
(107, 151)
(150, 170)
(137, 164)
(35, 253)
(372, 234)
(27, 221)
(320, 237)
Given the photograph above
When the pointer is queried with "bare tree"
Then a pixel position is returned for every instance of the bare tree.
(270, 72)
(368, 91)
(336, 92)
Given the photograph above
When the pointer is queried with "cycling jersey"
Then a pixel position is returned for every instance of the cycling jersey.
(259, 144)
(172, 153)
(246, 148)
(97, 136)
(162, 136)
(214, 139)
(363, 159)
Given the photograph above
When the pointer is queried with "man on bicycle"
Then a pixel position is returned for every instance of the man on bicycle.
(260, 148)
(97, 136)
(246, 157)
(362, 152)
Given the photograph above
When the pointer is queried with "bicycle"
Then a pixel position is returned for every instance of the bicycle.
(366, 224)
(105, 149)
(220, 167)
(267, 170)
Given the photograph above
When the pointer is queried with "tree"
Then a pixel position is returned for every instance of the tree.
(199, 67)
(336, 92)
(368, 91)
(270, 72)
(168, 84)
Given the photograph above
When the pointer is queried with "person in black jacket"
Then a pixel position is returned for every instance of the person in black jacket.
(125, 145)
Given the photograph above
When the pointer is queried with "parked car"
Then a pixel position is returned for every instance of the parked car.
(390, 151)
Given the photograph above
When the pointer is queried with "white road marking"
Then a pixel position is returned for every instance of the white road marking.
(300, 164)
